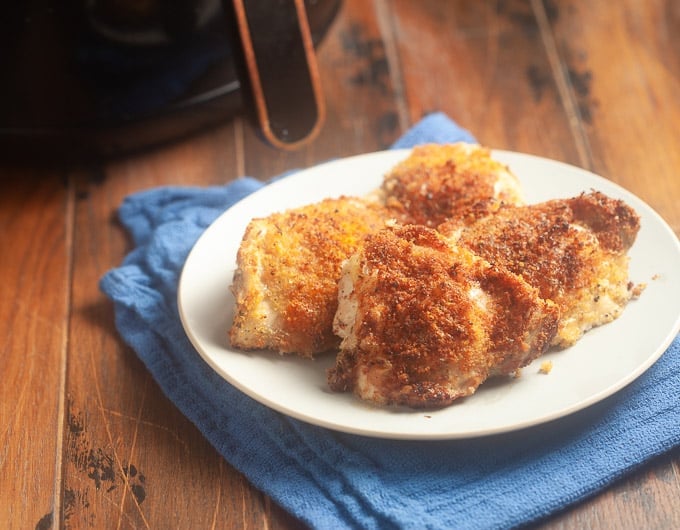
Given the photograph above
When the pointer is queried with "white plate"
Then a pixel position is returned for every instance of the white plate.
(604, 361)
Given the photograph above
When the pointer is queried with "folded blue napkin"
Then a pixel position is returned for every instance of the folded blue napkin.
(334, 480)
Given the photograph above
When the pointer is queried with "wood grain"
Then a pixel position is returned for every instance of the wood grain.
(35, 272)
(87, 439)
(626, 87)
(485, 65)
(121, 432)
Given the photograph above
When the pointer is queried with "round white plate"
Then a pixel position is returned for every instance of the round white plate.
(604, 361)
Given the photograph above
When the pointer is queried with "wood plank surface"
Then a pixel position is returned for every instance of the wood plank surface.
(623, 66)
(87, 439)
(34, 308)
(486, 66)
(122, 433)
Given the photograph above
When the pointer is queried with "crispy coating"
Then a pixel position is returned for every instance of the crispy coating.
(437, 183)
(572, 250)
(288, 263)
(288, 266)
(425, 322)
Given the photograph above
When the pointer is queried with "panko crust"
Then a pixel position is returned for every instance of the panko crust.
(288, 263)
(424, 322)
(572, 250)
(288, 266)
(436, 183)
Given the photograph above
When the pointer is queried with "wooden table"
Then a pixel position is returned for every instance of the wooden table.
(86, 437)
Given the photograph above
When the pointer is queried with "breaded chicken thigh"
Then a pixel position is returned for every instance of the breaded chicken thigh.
(437, 183)
(574, 251)
(288, 266)
(424, 322)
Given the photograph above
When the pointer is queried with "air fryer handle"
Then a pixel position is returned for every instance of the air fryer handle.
(280, 65)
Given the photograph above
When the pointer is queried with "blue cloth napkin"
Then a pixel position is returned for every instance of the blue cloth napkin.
(334, 480)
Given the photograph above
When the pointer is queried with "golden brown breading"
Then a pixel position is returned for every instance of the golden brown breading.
(440, 182)
(572, 250)
(288, 263)
(288, 266)
(425, 322)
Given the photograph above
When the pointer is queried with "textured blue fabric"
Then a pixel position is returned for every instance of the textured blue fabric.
(335, 480)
